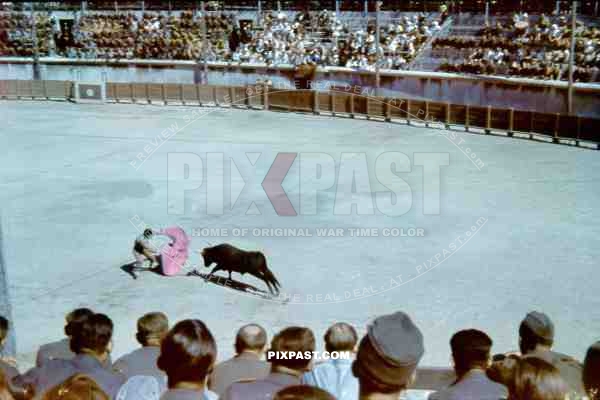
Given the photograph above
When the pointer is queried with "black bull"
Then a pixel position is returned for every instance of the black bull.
(231, 259)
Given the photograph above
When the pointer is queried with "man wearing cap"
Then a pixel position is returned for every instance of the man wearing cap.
(536, 337)
(471, 355)
(387, 357)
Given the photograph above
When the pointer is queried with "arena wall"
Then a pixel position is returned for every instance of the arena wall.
(522, 94)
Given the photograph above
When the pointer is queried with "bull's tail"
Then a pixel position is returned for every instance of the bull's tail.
(271, 281)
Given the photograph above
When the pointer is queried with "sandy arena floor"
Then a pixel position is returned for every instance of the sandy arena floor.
(68, 193)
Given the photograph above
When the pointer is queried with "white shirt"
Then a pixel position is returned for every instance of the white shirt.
(334, 376)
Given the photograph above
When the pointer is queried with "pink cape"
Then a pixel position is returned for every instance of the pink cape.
(174, 256)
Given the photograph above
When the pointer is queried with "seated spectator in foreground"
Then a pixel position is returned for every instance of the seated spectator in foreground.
(591, 372)
(4, 390)
(6, 368)
(335, 375)
(536, 337)
(151, 329)
(61, 349)
(91, 342)
(387, 357)
(471, 355)
(187, 355)
(250, 343)
(284, 372)
(303, 392)
(77, 387)
(536, 379)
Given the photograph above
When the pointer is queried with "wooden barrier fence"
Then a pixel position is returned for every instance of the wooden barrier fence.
(486, 119)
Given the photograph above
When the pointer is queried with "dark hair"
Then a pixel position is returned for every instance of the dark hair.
(340, 337)
(303, 392)
(591, 377)
(3, 328)
(536, 379)
(75, 318)
(470, 349)
(297, 339)
(150, 326)
(250, 337)
(503, 369)
(148, 233)
(94, 333)
(529, 340)
(77, 387)
(187, 352)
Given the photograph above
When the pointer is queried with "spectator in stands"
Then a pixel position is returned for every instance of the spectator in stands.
(250, 343)
(77, 387)
(151, 329)
(284, 371)
(5, 393)
(187, 355)
(387, 357)
(471, 355)
(335, 375)
(91, 342)
(591, 372)
(61, 349)
(303, 392)
(536, 337)
(535, 379)
(7, 366)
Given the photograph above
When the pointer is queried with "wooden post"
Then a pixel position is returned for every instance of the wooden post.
(198, 95)
(116, 93)
(448, 115)
(352, 105)
(488, 120)
(163, 92)
(231, 95)
(214, 93)
(388, 111)
(248, 94)
(45, 89)
(132, 93)
(426, 112)
(531, 125)
(578, 130)
(511, 122)
(316, 102)
(407, 112)
(266, 97)
(467, 118)
(181, 94)
(556, 126)
(367, 107)
(332, 101)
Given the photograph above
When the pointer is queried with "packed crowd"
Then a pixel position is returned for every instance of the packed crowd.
(16, 37)
(180, 362)
(534, 47)
(523, 48)
(279, 39)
